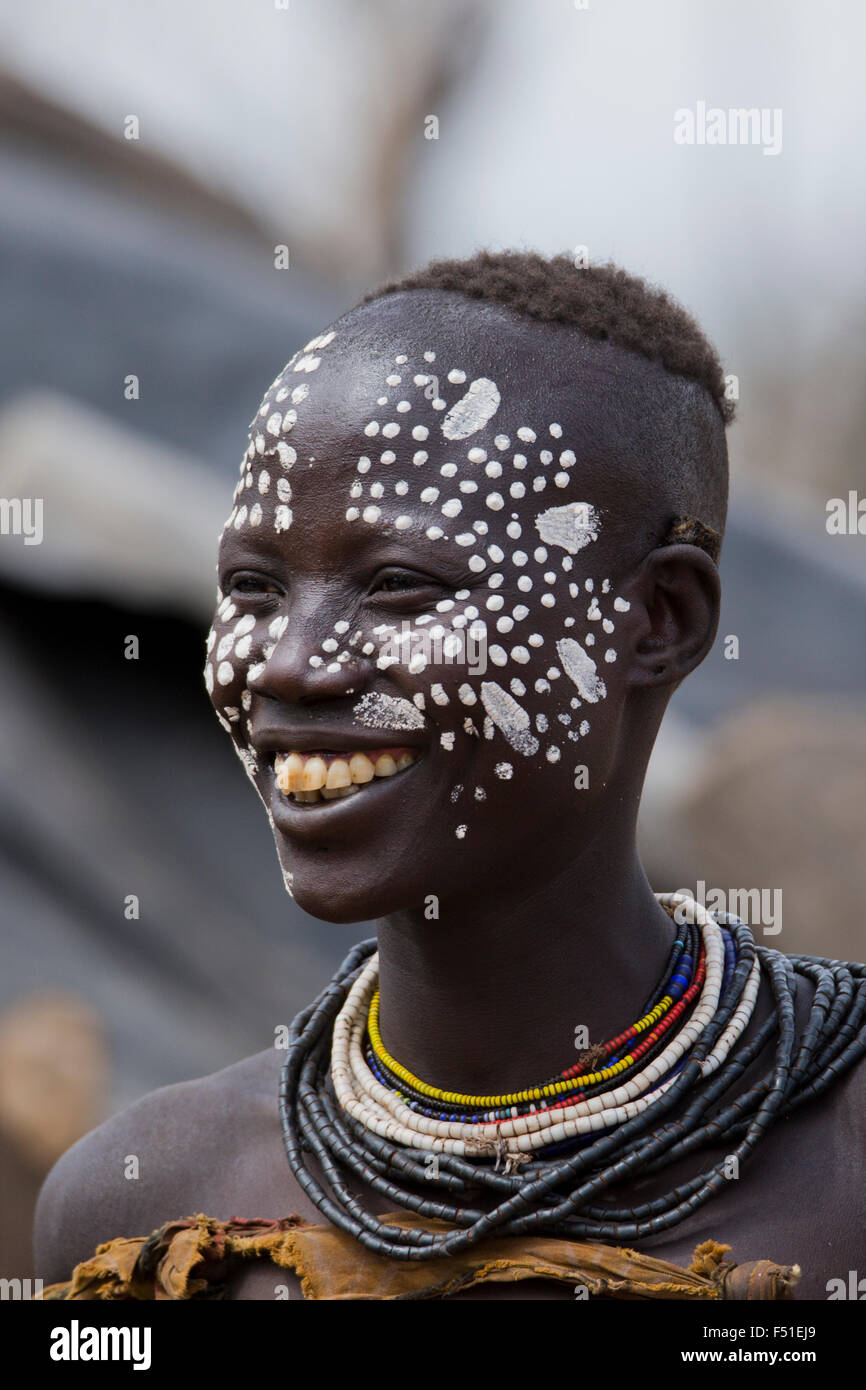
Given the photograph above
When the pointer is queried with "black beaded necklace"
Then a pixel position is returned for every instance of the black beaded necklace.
(560, 1195)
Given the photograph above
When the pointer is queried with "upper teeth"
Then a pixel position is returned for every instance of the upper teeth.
(336, 772)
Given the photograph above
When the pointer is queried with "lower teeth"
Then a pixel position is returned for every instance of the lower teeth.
(323, 794)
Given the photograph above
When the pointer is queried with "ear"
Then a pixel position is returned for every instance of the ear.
(675, 600)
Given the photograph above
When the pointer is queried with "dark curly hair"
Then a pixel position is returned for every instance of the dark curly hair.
(603, 301)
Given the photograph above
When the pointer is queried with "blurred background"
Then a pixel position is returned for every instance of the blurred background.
(153, 157)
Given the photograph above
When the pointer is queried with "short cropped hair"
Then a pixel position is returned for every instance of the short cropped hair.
(603, 301)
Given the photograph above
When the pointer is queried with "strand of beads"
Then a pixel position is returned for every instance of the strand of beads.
(664, 1015)
(687, 1108)
(385, 1113)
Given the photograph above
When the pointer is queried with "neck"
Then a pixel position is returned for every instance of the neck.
(487, 999)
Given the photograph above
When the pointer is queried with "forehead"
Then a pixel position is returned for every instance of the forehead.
(425, 425)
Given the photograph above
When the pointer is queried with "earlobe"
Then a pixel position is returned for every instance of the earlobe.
(675, 601)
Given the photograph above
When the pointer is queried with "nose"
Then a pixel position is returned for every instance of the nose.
(304, 667)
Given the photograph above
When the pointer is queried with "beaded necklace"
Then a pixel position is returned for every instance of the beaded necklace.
(572, 1139)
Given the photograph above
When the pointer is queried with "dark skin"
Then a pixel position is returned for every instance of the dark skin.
(545, 919)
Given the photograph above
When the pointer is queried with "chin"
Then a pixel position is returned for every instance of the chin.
(335, 887)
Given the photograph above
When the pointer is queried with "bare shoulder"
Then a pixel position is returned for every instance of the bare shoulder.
(199, 1145)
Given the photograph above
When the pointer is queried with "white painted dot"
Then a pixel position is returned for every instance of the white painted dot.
(526, 434)
(519, 557)
(517, 490)
(495, 501)
(225, 673)
(548, 600)
(561, 480)
(429, 494)
(477, 563)
(610, 654)
(391, 429)
(497, 655)
(504, 770)
(502, 442)
(448, 470)
(371, 513)
(520, 460)
(514, 530)
(372, 428)
(477, 455)
(536, 640)
(555, 430)
(434, 533)
(420, 432)
(621, 605)
(403, 522)
(388, 457)
(419, 458)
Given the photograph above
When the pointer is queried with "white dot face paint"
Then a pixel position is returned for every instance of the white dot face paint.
(477, 503)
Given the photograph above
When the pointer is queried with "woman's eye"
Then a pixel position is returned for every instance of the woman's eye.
(402, 582)
(252, 586)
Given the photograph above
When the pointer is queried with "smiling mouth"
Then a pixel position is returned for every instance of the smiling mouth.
(311, 777)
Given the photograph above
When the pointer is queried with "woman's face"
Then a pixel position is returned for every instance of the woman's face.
(413, 573)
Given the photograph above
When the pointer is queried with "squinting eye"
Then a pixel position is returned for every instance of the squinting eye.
(251, 585)
(402, 582)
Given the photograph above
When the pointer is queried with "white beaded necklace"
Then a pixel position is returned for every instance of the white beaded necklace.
(383, 1113)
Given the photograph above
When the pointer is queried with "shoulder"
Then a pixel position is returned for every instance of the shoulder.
(152, 1162)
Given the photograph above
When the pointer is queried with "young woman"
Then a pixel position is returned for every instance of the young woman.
(471, 555)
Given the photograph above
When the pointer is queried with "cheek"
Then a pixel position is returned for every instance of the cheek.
(236, 646)
(531, 682)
